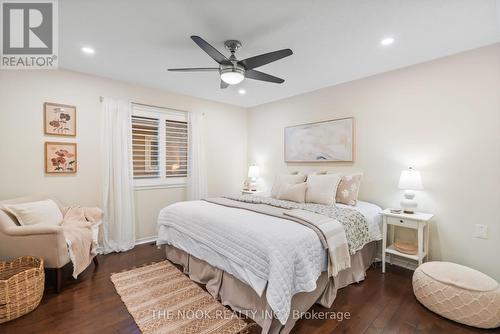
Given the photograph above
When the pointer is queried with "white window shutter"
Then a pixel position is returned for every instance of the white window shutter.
(145, 147)
(176, 149)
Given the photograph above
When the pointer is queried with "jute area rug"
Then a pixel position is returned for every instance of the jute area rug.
(161, 299)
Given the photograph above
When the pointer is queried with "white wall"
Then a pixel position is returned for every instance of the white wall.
(443, 117)
(22, 94)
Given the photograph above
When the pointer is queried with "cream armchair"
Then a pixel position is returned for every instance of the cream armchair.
(43, 241)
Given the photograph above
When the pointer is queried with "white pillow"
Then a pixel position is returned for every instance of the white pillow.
(293, 192)
(285, 179)
(42, 212)
(322, 189)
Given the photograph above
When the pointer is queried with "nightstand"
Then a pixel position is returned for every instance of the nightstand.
(252, 192)
(417, 221)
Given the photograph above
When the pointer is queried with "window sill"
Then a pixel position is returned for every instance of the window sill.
(159, 186)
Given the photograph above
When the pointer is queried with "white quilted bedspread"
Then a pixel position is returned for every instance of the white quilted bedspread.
(289, 256)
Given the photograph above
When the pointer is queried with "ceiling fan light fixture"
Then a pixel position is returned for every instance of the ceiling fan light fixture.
(232, 76)
(233, 71)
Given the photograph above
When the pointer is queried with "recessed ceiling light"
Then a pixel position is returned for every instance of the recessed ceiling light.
(241, 91)
(387, 41)
(88, 50)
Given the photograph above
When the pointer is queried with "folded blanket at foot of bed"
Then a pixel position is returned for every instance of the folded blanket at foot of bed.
(354, 222)
(330, 231)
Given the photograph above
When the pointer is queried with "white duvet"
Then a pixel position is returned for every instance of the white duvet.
(255, 248)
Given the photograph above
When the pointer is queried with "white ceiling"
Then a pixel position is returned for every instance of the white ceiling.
(333, 41)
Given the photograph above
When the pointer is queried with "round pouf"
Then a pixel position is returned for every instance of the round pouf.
(458, 293)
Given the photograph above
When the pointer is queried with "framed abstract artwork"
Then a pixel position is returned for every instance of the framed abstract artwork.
(60, 158)
(59, 119)
(331, 141)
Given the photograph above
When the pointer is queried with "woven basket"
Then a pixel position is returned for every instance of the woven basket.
(21, 286)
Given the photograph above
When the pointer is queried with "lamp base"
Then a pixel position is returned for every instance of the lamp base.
(408, 203)
(252, 184)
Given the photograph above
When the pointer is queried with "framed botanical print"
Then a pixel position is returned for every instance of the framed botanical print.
(59, 119)
(60, 158)
(330, 141)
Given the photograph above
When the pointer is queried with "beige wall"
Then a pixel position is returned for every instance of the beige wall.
(443, 117)
(22, 94)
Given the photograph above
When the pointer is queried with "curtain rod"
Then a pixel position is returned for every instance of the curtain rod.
(150, 105)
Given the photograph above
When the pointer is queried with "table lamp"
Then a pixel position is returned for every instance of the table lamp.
(253, 175)
(409, 181)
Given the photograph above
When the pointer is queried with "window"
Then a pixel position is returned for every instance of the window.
(159, 146)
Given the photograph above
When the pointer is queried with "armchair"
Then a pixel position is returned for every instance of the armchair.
(43, 241)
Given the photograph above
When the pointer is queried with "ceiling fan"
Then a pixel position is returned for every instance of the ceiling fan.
(232, 71)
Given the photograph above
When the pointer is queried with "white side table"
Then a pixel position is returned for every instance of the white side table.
(418, 221)
(252, 192)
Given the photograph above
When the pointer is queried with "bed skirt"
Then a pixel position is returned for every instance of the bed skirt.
(242, 298)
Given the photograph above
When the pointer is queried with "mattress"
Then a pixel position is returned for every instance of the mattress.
(259, 250)
(171, 236)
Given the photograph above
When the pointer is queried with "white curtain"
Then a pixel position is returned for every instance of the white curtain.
(197, 169)
(117, 176)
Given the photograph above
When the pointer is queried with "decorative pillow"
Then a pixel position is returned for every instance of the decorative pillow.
(347, 192)
(285, 179)
(31, 213)
(321, 189)
(293, 192)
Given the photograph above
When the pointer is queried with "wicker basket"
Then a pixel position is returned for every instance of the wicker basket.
(21, 286)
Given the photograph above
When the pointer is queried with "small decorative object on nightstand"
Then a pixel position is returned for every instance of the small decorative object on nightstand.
(417, 221)
(408, 181)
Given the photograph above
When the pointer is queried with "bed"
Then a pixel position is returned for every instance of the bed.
(262, 265)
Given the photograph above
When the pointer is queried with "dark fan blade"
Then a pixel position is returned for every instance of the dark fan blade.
(256, 75)
(194, 69)
(211, 51)
(223, 85)
(264, 59)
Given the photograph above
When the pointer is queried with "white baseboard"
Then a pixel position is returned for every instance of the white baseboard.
(145, 240)
(139, 241)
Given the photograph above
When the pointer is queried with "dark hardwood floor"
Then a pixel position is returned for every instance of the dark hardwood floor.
(90, 304)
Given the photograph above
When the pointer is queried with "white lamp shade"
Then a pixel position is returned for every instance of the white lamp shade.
(232, 78)
(253, 172)
(410, 179)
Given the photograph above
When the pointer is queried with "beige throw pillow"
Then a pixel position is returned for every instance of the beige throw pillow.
(321, 189)
(285, 179)
(347, 192)
(293, 192)
(40, 212)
